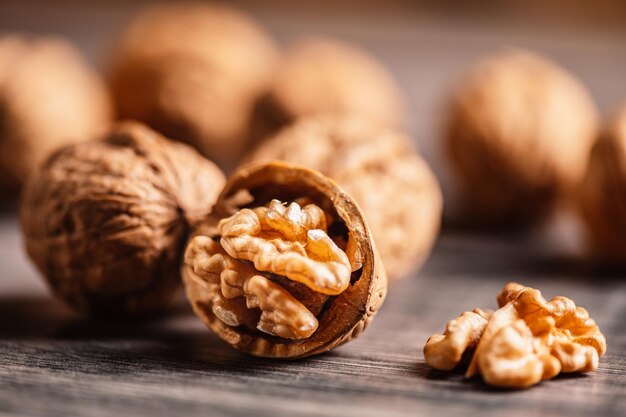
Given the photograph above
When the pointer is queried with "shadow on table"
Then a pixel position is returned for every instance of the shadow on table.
(178, 341)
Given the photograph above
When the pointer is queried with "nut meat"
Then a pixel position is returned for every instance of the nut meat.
(284, 266)
(524, 342)
(394, 186)
(105, 221)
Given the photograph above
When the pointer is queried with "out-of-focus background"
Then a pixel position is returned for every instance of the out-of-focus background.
(427, 45)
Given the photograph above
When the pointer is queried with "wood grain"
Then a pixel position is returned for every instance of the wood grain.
(54, 363)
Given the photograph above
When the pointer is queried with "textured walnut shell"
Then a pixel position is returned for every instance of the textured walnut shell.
(601, 197)
(105, 221)
(49, 97)
(394, 186)
(194, 72)
(519, 134)
(321, 75)
(347, 314)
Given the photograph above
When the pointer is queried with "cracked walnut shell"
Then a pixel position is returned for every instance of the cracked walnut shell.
(519, 133)
(394, 186)
(285, 265)
(49, 97)
(106, 221)
(194, 72)
(601, 197)
(525, 341)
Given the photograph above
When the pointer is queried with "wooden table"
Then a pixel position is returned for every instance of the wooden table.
(54, 363)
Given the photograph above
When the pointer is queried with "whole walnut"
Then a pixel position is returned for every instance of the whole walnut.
(320, 75)
(48, 97)
(194, 73)
(105, 221)
(519, 134)
(396, 189)
(601, 197)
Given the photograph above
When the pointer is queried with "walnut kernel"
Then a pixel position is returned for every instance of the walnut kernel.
(283, 280)
(519, 133)
(527, 340)
(105, 221)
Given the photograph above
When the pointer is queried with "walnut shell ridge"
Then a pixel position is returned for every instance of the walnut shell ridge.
(49, 97)
(394, 186)
(519, 133)
(105, 221)
(344, 316)
(194, 72)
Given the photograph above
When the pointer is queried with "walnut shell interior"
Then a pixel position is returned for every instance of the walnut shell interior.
(341, 316)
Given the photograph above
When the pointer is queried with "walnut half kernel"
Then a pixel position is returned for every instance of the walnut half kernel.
(524, 342)
(285, 265)
(257, 244)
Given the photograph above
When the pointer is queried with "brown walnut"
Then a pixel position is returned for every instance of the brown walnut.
(49, 97)
(396, 189)
(519, 133)
(320, 75)
(106, 221)
(285, 265)
(601, 197)
(194, 73)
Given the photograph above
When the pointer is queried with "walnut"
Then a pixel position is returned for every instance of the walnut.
(404, 211)
(519, 133)
(285, 265)
(524, 342)
(194, 72)
(601, 197)
(321, 75)
(445, 351)
(49, 97)
(105, 221)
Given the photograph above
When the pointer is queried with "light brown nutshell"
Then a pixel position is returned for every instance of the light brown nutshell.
(519, 133)
(49, 97)
(285, 265)
(194, 72)
(396, 189)
(601, 197)
(319, 75)
(106, 221)
(527, 340)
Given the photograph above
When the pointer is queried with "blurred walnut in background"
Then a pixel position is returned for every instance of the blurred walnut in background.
(519, 134)
(602, 195)
(320, 75)
(48, 97)
(194, 72)
(396, 189)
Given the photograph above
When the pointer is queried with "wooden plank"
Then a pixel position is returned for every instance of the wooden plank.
(55, 363)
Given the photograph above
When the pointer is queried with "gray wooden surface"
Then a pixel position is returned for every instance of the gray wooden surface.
(54, 363)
